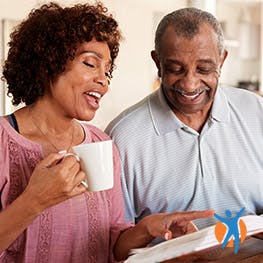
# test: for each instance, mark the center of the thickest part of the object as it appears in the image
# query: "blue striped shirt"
(167, 166)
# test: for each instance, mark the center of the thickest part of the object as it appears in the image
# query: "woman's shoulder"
(6, 136)
(4, 126)
(9, 135)
(95, 133)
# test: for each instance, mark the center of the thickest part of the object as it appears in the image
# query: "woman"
(59, 64)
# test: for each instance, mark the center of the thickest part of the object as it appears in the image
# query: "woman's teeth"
(94, 94)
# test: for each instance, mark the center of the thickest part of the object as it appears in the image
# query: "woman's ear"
(156, 61)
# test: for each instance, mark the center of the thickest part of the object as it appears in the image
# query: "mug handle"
(72, 154)
(84, 183)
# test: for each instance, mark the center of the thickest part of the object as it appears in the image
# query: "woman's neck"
(50, 118)
(51, 128)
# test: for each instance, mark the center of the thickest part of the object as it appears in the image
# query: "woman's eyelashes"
(89, 64)
(94, 66)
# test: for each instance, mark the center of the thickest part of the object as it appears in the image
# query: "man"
(191, 145)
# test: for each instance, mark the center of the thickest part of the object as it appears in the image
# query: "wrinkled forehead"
(205, 38)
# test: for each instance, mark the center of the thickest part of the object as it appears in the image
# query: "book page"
(190, 243)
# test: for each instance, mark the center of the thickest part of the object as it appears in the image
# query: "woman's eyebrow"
(91, 52)
(97, 54)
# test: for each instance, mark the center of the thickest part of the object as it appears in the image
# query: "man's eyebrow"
(173, 61)
(208, 61)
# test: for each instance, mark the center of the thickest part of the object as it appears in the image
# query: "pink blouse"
(81, 229)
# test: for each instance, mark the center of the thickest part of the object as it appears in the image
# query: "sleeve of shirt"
(129, 209)
(4, 169)
(117, 209)
(126, 178)
(4, 175)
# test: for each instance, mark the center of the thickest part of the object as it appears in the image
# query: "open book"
(202, 240)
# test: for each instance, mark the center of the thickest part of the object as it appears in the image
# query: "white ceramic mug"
(96, 160)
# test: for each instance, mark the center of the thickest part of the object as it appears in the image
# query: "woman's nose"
(102, 79)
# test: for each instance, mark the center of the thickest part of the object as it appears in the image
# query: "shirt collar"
(220, 109)
(165, 121)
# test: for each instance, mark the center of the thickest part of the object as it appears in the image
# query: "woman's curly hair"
(41, 45)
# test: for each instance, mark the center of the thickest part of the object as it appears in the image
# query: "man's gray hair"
(186, 23)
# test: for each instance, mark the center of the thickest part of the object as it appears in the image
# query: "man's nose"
(190, 81)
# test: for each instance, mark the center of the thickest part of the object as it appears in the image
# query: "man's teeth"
(94, 94)
(192, 96)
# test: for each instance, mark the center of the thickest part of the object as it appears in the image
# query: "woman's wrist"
(33, 206)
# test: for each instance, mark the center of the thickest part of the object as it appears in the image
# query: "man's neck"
(195, 121)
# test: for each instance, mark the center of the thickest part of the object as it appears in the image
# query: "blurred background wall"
(135, 75)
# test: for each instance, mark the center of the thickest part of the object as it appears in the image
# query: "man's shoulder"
(130, 118)
(243, 99)
(237, 94)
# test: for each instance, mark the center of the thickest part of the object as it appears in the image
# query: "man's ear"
(223, 57)
(156, 61)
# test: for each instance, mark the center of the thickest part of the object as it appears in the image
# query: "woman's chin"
(86, 116)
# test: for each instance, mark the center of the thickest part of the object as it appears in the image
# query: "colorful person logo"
(230, 227)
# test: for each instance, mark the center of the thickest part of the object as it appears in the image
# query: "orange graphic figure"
(230, 227)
